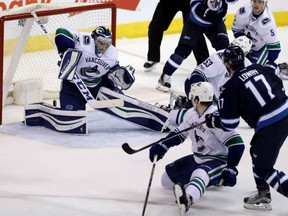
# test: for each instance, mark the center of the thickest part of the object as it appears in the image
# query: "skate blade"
(259, 207)
(179, 193)
(162, 88)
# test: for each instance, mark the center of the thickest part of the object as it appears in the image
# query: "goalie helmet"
(103, 39)
(234, 56)
(203, 90)
(243, 42)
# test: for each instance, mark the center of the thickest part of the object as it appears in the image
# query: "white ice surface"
(44, 173)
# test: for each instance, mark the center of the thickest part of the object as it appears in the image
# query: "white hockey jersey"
(215, 71)
(91, 68)
(207, 143)
(262, 30)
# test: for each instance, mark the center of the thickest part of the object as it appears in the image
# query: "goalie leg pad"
(135, 111)
(42, 114)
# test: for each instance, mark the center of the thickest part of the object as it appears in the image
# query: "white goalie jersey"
(262, 30)
(207, 143)
(91, 68)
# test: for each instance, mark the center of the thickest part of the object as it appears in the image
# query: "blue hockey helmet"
(103, 39)
(234, 56)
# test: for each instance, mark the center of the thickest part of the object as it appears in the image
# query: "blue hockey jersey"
(254, 93)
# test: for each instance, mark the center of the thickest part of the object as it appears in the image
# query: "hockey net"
(27, 53)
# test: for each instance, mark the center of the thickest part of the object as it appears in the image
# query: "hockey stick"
(129, 150)
(95, 104)
(149, 185)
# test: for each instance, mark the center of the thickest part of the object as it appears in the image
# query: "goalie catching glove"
(122, 77)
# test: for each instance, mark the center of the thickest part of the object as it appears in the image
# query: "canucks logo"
(199, 140)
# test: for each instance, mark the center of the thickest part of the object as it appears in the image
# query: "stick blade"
(127, 148)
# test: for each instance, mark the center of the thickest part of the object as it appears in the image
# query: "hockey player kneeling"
(91, 73)
(215, 153)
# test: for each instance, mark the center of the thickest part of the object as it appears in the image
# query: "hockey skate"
(183, 201)
(283, 70)
(259, 200)
(164, 83)
(149, 66)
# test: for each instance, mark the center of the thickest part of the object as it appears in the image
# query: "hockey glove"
(159, 150)
(213, 120)
(228, 176)
(215, 15)
(271, 65)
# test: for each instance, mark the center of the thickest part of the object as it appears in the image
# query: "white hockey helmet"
(243, 42)
(203, 90)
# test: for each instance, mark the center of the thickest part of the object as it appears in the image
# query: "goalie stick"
(129, 150)
(95, 104)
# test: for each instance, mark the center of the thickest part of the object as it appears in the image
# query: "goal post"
(27, 52)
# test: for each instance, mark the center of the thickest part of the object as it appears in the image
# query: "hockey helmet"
(243, 42)
(203, 90)
(103, 39)
(234, 56)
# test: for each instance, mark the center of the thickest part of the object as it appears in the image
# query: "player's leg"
(70, 97)
(191, 179)
(191, 34)
(258, 57)
(218, 36)
(161, 20)
(264, 152)
(42, 114)
(136, 111)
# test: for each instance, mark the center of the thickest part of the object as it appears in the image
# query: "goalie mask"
(103, 39)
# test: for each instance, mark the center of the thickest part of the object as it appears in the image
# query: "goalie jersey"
(91, 68)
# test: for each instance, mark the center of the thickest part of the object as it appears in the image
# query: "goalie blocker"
(43, 114)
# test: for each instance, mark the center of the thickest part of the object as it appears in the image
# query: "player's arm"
(273, 44)
(236, 148)
(64, 40)
(161, 148)
(237, 26)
